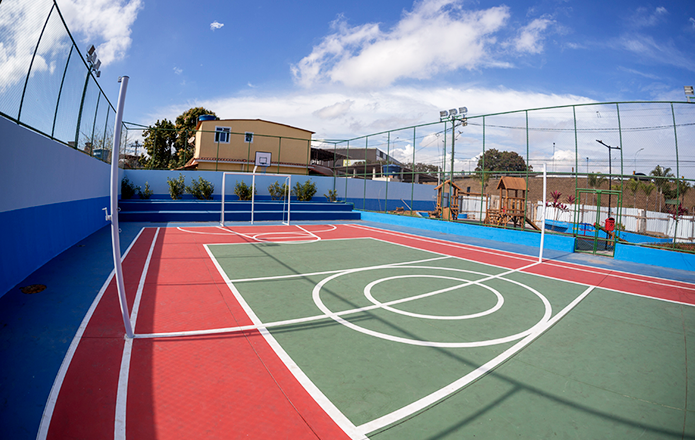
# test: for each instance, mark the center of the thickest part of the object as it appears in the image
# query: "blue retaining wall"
(527, 238)
(655, 257)
(52, 198)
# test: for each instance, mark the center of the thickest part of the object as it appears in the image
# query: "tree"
(159, 141)
(595, 180)
(502, 161)
(185, 130)
(634, 185)
(647, 189)
(663, 176)
(424, 168)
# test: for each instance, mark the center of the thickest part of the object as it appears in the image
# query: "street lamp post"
(635, 172)
(453, 115)
(610, 172)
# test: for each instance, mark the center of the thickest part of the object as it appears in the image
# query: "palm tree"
(634, 185)
(595, 180)
(647, 189)
(662, 178)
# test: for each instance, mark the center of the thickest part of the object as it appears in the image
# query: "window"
(248, 137)
(222, 134)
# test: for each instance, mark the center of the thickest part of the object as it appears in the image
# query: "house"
(355, 156)
(231, 145)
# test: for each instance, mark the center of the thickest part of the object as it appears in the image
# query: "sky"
(346, 69)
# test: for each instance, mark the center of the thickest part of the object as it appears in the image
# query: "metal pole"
(540, 254)
(116, 246)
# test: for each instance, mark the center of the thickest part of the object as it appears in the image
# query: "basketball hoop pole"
(115, 243)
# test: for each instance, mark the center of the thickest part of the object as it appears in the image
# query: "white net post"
(286, 205)
(224, 178)
(540, 253)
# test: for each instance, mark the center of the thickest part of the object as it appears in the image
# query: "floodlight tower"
(689, 92)
(453, 115)
(93, 65)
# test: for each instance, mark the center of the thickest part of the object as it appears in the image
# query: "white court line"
(565, 265)
(333, 412)
(292, 235)
(62, 371)
(297, 320)
(438, 395)
(124, 372)
(447, 243)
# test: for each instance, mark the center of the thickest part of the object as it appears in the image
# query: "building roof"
(508, 182)
(254, 120)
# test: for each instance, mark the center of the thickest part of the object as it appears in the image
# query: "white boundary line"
(338, 417)
(484, 369)
(565, 265)
(124, 372)
(62, 371)
(297, 320)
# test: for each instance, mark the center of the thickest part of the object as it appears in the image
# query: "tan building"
(231, 145)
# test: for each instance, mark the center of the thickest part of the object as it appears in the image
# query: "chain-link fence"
(46, 83)
(643, 150)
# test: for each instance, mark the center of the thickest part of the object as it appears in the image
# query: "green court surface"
(410, 344)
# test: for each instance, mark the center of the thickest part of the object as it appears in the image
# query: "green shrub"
(277, 191)
(332, 195)
(146, 193)
(201, 189)
(127, 188)
(243, 191)
(305, 192)
(176, 187)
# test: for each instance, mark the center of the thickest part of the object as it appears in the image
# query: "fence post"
(31, 64)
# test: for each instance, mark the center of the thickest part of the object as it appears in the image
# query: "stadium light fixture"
(689, 92)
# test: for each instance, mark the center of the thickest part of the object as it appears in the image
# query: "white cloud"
(178, 71)
(215, 25)
(104, 23)
(649, 49)
(692, 22)
(436, 36)
(530, 39)
(334, 111)
(107, 21)
(347, 114)
(644, 17)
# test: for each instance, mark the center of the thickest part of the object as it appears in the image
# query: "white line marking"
(565, 265)
(426, 401)
(62, 371)
(338, 417)
(124, 372)
(122, 391)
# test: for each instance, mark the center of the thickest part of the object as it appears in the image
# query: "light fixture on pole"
(635, 172)
(689, 92)
(610, 172)
(453, 115)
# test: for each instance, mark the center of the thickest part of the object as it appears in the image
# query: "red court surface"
(234, 385)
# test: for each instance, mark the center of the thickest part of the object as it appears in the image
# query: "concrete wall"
(52, 197)
(364, 194)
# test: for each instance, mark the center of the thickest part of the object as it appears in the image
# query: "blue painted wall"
(656, 257)
(52, 197)
(554, 242)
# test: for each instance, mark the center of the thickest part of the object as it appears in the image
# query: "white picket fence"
(633, 219)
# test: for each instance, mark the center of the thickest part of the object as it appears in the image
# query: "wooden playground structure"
(511, 209)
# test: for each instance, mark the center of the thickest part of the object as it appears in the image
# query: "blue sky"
(345, 69)
(352, 68)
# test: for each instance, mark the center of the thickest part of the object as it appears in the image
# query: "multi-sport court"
(337, 331)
